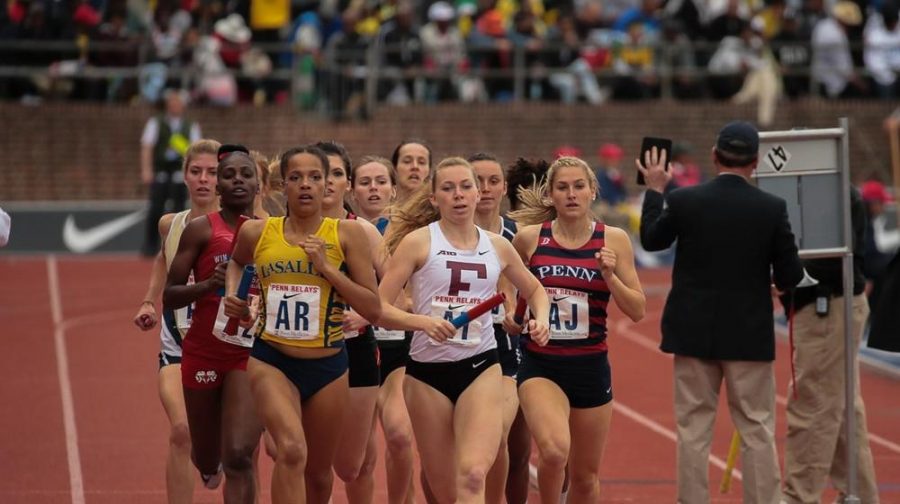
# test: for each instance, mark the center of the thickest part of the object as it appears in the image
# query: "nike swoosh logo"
(478, 364)
(84, 240)
(558, 299)
(286, 296)
(484, 252)
(451, 307)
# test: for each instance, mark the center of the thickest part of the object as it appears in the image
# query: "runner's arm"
(177, 293)
(146, 317)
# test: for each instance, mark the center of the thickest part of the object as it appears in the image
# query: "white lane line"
(76, 481)
(667, 433)
(648, 343)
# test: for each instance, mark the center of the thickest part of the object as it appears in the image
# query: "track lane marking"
(76, 480)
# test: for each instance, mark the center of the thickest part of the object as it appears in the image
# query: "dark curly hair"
(524, 173)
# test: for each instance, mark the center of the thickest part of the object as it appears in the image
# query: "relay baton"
(237, 228)
(478, 310)
(242, 292)
(730, 462)
(519, 315)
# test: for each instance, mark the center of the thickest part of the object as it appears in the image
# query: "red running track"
(82, 422)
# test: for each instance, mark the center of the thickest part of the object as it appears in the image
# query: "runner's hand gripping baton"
(478, 310)
(242, 292)
(519, 315)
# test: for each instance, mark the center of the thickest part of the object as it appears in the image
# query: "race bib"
(447, 308)
(292, 311)
(183, 316)
(382, 334)
(568, 314)
(244, 337)
(498, 313)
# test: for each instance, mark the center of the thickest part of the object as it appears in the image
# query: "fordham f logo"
(456, 268)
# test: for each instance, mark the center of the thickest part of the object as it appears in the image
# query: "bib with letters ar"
(292, 311)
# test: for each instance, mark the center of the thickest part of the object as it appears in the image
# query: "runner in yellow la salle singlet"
(300, 308)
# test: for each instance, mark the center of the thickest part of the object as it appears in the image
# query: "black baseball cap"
(738, 138)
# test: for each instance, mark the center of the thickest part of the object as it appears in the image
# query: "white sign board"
(805, 168)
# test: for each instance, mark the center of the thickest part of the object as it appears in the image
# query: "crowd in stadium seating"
(586, 50)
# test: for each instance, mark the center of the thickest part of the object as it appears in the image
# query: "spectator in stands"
(234, 39)
(610, 181)
(169, 25)
(793, 55)
(685, 170)
(634, 62)
(730, 64)
(647, 15)
(401, 50)
(678, 53)
(808, 16)
(730, 23)
(267, 18)
(688, 14)
(491, 49)
(577, 61)
(444, 52)
(832, 64)
(882, 49)
(215, 84)
(527, 34)
(345, 69)
(165, 139)
(762, 82)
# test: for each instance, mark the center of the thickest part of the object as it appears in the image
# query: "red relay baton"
(478, 310)
(521, 306)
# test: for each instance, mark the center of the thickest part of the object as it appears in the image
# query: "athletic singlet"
(381, 224)
(200, 339)
(508, 231)
(299, 307)
(450, 282)
(179, 319)
(367, 329)
(577, 293)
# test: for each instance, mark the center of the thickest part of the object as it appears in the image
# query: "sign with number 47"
(777, 158)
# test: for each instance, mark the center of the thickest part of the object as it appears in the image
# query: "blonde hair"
(262, 166)
(537, 206)
(392, 172)
(202, 146)
(417, 211)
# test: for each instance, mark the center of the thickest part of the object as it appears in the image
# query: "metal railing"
(360, 70)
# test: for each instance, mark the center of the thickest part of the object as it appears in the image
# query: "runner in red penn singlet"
(578, 294)
(200, 341)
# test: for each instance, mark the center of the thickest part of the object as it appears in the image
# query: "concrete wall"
(71, 151)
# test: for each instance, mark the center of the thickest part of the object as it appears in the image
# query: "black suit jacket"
(732, 239)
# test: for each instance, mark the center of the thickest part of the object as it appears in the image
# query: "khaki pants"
(816, 439)
(751, 402)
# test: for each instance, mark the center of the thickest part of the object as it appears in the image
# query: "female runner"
(309, 267)
(492, 185)
(352, 463)
(453, 376)
(565, 387)
(200, 178)
(224, 429)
